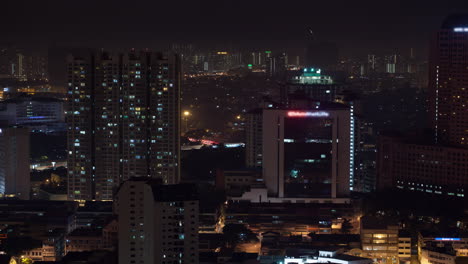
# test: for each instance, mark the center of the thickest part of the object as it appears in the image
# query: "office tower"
(307, 151)
(14, 162)
(448, 82)
(276, 64)
(365, 156)
(19, 66)
(123, 121)
(157, 223)
(390, 64)
(35, 67)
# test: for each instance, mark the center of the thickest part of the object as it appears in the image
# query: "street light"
(186, 116)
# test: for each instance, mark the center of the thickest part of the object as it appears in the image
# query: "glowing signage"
(308, 114)
(447, 239)
(267, 51)
(222, 53)
(460, 29)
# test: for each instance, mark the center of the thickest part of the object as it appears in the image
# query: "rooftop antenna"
(311, 33)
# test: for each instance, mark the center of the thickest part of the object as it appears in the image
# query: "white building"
(307, 151)
(157, 223)
(303, 256)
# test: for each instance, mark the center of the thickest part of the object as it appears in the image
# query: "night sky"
(357, 26)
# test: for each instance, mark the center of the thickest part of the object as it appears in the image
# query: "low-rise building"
(326, 255)
(438, 255)
(379, 238)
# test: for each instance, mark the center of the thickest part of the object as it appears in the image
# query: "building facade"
(157, 223)
(14, 163)
(307, 151)
(123, 121)
(379, 239)
(448, 82)
(32, 110)
(429, 168)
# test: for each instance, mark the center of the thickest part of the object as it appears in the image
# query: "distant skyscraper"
(157, 223)
(14, 162)
(276, 64)
(448, 82)
(123, 121)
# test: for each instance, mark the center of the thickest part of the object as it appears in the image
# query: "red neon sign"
(308, 114)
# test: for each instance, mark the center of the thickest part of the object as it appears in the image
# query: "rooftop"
(372, 222)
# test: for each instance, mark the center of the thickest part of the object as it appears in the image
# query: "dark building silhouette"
(448, 82)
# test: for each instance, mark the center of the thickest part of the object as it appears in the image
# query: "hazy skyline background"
(358, 27)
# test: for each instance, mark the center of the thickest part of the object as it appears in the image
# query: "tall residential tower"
(123, 121)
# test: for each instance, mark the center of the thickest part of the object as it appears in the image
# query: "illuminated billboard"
(447, 239)
(308, 114)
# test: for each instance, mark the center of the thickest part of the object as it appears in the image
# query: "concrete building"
(379, 238)
(237, 182)
(123, 121)
(414, 164)
(14, 163)
(157, 223)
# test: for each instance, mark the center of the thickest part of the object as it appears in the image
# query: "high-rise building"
(157, 223)
(448, 82)
(123, 121)
(14, 162)
(307, 151)
(254, 136)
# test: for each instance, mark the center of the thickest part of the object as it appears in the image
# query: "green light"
(249, 65)
(268, 51)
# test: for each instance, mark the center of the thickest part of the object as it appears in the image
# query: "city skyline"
(234, 132)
